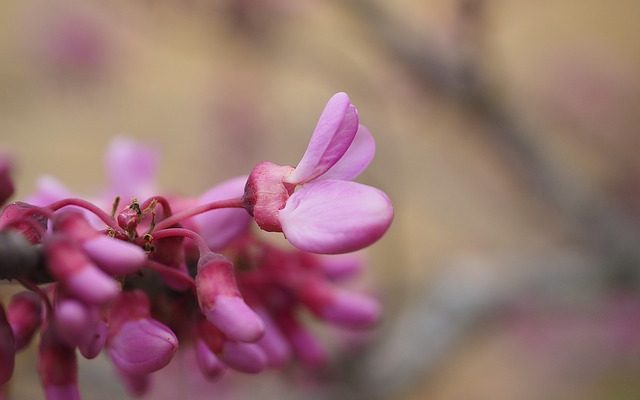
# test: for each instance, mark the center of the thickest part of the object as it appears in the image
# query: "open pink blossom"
(315, 204)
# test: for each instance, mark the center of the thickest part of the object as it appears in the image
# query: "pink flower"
(315, 204)
(78, 275)
(138, 344)
(221, 302)
(58, 368)
(25, 316)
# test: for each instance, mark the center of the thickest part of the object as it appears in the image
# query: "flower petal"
(219, 227)
(332, 216)
(356, 159)
(131, 167)
(48, 190)
(332, 137)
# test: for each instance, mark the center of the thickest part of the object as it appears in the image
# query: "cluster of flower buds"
(135, 280)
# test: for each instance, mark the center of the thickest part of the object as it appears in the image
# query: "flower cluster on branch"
(136, 279)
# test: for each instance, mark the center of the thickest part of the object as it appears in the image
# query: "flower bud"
(25, 316)
(72, 321)
(305, 346)
(339, 306)
(142, 346)
(68, 264)
(114, 256)
(221, 302)
(244, 357)
(58, 368)
(209, 364)
(273, 343)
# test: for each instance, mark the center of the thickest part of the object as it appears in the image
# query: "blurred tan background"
(507, 131)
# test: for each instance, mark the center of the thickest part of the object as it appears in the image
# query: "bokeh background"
(508, 138)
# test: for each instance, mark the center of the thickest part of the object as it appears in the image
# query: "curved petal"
(333, 216)
(356, 159)
(48, 190)
(332, 137)
(131, 168)
(219, 227)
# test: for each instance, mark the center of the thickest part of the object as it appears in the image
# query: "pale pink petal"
(131, 167)
(219, 227)
(332, 137)
(48, 190)
(356, 159)
(332, 216)
(244, 357)
(114, 256)
(351, 310)
(232, 316)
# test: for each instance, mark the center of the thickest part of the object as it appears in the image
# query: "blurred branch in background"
(593, 217)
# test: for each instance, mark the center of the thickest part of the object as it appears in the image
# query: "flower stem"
(174, 273)
(214, 205)
(106, 218)
(181, 232)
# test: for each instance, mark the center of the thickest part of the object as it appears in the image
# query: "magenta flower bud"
(25, 316)
(273, 343)
(7, 349)
(94, 342)
(339, 306)
(114, 256)
(210, 366)
(332, 216)
(58, 368)
(340, 267)
(6, 183)
(72, 321)
(305, 346)
(68, 264)
(220, 227)
(244, 357)
(142, 346)
(266, 193)
(221, 302)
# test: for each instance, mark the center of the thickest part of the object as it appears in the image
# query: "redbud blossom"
(78, 275)
(209, 364)
(58, 368)
(221, 302)
(114, 256)
(316, 205)
(25, 316)
(138, 344)
(142, 346)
